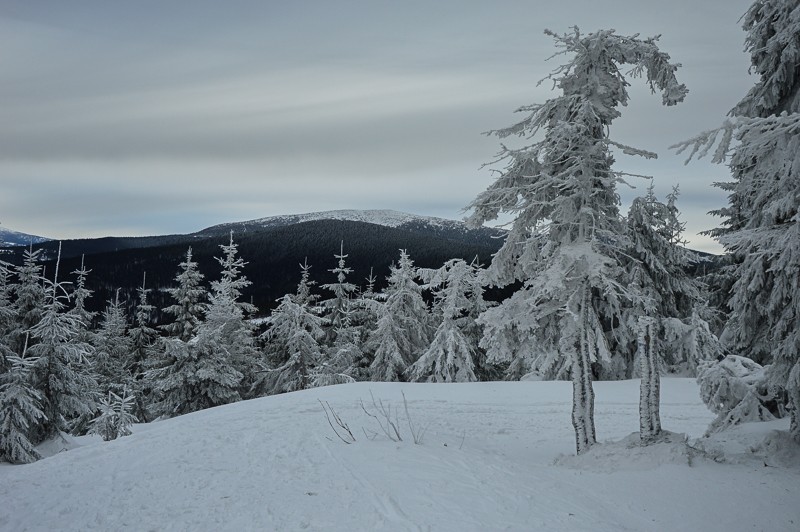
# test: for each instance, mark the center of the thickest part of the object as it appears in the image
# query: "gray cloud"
(153, 117)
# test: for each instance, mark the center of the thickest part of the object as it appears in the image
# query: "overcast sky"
(153, 117)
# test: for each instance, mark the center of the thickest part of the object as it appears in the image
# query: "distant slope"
(273, 254)
(15, 238)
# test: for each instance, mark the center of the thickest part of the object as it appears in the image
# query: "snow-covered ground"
(496, 456)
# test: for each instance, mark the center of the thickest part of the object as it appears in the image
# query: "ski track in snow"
(487, 462)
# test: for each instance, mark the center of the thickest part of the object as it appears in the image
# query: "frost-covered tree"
(403, 329)
(6, 317)
(61, 373)
(145, 344)
(20, 412)
(194, 375)
(304, 295)
(451, 355)
(566, 241)
(80, 295)
(226, 316)
(738, 391)
(662, 320)
(338, 307)
(293, 339)
(761, 223)
(189, 298)
(113, 349)
(29, 299)
(115, 417)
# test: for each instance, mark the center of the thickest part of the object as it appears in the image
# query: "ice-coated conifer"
(566, 240)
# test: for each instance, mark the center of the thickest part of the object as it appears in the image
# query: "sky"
(152, 117)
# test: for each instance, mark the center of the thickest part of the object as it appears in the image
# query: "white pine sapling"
(566, 242)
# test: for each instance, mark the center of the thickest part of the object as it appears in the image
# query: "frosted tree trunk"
(582, 391)
(650, 388)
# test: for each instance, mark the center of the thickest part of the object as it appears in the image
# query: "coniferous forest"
(97, 336)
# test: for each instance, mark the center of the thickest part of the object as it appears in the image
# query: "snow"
(384, 217)
(496, 456)
(9, 238)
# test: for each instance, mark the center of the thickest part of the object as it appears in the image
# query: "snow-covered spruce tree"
(20, 412)
(226, 316)
(403, 330)
(338, 307)
(566, 242)
(145, 343)
(738, 391)
(29, 297)
(194, 375)
(662, 320)
(6, 317)
(189, 298)
(113, 349)
(761, 223)
(364, 319)
(451, 355)
(62, 373)
(80, 295)
(293, 338)
(115, 417)
(304, 295)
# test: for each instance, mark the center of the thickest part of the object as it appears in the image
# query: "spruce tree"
(29, 299)
(451, 355)
(145, 344)
(226, 316)
(62, 373)
(566, 241)
(403, 329)
(113, 349)
(761, 223)
(20, 412)
(338, 307)
(189, 299)
(293, 337)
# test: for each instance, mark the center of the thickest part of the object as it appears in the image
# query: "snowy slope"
(487, 462)
(386, 218)
(15, 238)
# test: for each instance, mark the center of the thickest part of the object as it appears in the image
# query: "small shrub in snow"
(737, 390)
(115, 417)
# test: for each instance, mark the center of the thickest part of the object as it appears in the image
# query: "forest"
(581, 290)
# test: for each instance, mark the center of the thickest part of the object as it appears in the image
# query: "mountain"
(386, 218)
(10, 238)
(273, 248)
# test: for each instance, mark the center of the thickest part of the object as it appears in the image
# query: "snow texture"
(487, 463)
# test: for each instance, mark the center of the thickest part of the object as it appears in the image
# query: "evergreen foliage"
(565, 243)
(403, 329)
(761, 223)
(20, 412)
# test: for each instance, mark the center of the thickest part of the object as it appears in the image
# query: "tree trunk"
(650, 387)
(582, 392)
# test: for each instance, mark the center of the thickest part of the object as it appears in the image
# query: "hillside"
(487, 462)
(273, 248)
(10, 238)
